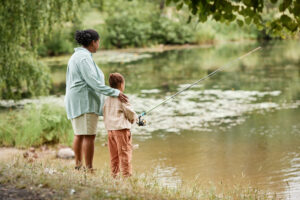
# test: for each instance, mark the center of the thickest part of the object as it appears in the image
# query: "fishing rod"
(142, 122)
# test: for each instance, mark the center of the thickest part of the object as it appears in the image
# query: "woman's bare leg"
(77, 146)
(88, 150)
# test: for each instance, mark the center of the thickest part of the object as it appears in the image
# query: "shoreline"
(54, 60)
(47, 177)
(163, 47)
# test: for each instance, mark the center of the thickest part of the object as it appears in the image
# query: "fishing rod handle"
(142, 114)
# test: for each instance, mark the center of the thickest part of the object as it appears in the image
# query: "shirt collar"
(82, 49)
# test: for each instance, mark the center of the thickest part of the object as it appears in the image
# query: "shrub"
(35, 126)
(28, 78)
(138, 23)
(56, 44)
(167, 31)
(129, 24)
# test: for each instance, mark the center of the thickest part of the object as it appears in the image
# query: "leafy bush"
(56, 44)
(205, 34)
(104, 41)
(29, 77)
(34, 126)
(129, 24)
(23, 27)
(138, 23)
(60, 41)
(167, 31)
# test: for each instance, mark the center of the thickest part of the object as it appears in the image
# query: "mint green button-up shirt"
(85, 85)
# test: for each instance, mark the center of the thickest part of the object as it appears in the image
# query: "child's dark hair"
(115, 80)
(85, 37)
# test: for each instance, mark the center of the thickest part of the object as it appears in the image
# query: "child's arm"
(129, 112)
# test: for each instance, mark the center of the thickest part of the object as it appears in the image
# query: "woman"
(85, 90)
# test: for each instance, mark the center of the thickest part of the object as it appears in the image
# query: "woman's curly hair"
(85, 37)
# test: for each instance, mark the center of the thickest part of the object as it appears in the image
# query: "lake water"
(240, 127)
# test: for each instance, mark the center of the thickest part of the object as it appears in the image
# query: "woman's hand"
(123, 98)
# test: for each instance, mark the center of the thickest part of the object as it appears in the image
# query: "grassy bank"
(45, 174)
(50, 174)
(35, 125)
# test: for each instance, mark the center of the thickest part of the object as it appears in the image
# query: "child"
(118, 118)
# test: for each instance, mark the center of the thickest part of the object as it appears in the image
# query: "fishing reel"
(141, 121)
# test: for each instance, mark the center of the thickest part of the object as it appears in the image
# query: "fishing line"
(142, 122)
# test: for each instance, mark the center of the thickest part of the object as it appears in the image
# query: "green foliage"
(24, 77)
(216, 31)
(140, 23)
(129, 26)
(35, 126)
(167, 31)
(23, 26)
(60, 41)
(105, 42)
(247, 11)
(56, 44)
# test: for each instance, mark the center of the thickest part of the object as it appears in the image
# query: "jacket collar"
(82, 49)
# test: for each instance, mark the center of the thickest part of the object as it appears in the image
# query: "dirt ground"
(9, 192)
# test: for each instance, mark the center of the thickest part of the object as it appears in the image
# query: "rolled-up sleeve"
(129, 112)
(87, 70)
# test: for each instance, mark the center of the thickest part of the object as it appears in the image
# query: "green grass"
(36, 175)
(35, 126)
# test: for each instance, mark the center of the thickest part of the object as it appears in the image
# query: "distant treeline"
(140, 23)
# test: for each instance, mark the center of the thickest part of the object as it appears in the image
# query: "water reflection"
(263, 152)
(274, 67)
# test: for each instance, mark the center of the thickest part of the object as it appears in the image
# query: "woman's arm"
(87, 70)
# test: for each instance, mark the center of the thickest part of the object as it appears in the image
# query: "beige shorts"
(85, 124)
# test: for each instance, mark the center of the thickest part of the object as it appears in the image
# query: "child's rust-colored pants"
(120, 148)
